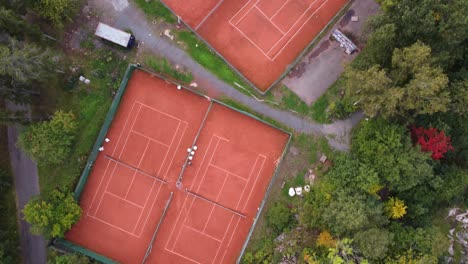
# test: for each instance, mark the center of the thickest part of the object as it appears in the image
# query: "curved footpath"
(133, 18)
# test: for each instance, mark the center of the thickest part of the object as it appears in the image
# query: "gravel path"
(131, 17)
(33, 248)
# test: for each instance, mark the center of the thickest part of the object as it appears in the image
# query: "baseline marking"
(113, 153)
(167, 171)
(123, 199)
(152, 186)
(274, 24)
(149, 138)
(245, 205)
(200, 232)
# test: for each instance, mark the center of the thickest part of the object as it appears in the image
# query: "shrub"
(50, 142)
(279, 217)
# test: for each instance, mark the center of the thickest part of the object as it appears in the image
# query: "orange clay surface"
(211, 212)
(260, 38)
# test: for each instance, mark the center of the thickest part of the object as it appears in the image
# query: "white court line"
(285, 34)
(242, 8)
(134, 173)
(147, 197)
(123, 199)
(180, 255)
(110, 179)
(230, 240)
(167, 171)
(270, 20)
(300, 28)
(149, 138)
(209, 14)
(216, 200)
(233, 174)
(238, 202)
(183, 206)
(245, 205)
(224, 237)
(115, 149)
(113, 226)
(245, 187)
(198, 189)
(164, 113)
(251, 41)
(279, 9)
(200, 232)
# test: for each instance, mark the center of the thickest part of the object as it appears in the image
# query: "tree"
(49, 142)
(380, 45)
(279, 217)
(69, 258)
(387, 149)
(373, 243)
(13, 25)
(431, 140)
(349, 174)
(57, 11)
(412, 86)
(410, 257)
(372, 90)
(20, 65)
(345, 253)
(53, 215)
(347, 214)
(325, 239)
(395, 208)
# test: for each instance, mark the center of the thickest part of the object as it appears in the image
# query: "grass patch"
(154, 9)
(247, 109)
(303, 152)
(90, 104)
(207, 58)
(162, 66)
(9, 235)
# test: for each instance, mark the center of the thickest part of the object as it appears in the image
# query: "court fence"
(63, 243)
(68, 245)
(289, 67)
(102, 134)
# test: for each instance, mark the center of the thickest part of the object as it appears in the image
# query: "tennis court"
(257, 34)
(146, 201)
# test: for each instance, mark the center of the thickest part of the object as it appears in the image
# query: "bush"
(52, 216)
(50, 142)
(279, 217)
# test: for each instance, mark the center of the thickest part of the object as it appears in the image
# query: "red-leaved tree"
(431, 140)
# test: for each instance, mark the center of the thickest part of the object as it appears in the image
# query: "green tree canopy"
(279, 217)
(413, 85)
(57, 11)
(374, 243)
(20, 65)
(347, 214)
(351, 175)
(70, 258)
(49, 142)
(387, 149)
(53, 215)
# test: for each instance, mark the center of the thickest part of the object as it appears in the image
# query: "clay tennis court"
(144, 202)
(257, 34)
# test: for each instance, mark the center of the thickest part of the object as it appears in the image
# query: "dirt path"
(33, 248)
(131, 17)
